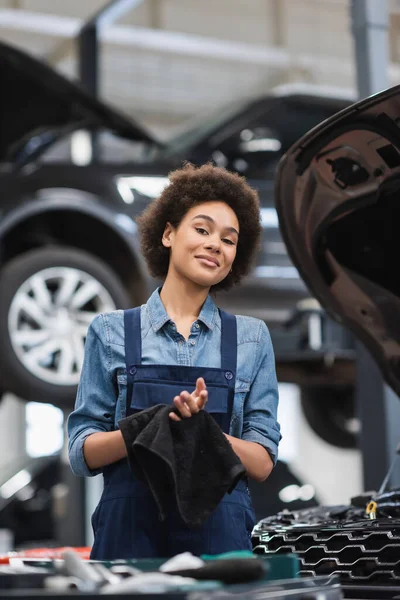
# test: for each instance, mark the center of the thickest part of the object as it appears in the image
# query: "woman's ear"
(167, 235)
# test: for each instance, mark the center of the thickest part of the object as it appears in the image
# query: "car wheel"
(48, 298)
(330, 411)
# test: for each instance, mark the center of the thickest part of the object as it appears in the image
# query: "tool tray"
(280, 581)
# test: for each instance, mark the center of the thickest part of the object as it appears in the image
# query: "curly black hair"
(188, 187)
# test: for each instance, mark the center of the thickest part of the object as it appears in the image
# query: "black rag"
(190, 463)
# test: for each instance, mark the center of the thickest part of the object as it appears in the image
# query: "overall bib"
(126, 523)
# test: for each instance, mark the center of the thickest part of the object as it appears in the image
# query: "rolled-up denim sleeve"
(260, 409)
(96, 397)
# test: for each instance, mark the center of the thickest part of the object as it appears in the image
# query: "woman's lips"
(207, 262)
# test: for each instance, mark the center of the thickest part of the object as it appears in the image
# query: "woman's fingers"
(202, 399)
(200, 386)
(174, 417)
(190, 404)
(201, 393)
(190, 401)
(180, 404)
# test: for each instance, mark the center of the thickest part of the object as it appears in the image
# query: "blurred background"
(236, 82)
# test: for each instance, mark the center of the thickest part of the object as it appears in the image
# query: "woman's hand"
(190, 404)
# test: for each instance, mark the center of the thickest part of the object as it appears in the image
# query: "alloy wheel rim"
(48, 321)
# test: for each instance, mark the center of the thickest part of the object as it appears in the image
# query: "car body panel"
(57, 106)
(336, 196)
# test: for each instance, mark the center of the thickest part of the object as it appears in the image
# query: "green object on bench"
(227, 555)
(283, 566)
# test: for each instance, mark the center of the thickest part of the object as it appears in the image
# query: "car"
(74, 175)
(337, 195)
(27, 500)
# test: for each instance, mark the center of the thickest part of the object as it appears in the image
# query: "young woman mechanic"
(200, 236)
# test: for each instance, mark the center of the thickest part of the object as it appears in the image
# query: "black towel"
(190, 462)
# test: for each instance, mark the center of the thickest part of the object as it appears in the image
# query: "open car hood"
(37, 104)
(338, 201)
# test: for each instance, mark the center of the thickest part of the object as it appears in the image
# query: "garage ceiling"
(168, 61)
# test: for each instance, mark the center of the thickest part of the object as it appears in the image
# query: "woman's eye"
(201, 230)
(229, 242)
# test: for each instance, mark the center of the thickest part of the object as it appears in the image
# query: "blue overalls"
(126, 522)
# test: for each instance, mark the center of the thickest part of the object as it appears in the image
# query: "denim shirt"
(101, 399)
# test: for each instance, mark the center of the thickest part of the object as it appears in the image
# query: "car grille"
(364, 552)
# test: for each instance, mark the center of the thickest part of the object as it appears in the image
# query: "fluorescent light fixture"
(261, 145)
(246, 135)
(146, 186)
(307, 492)
(276, 272)
(290, 493)
(44, 429)
(269, 217)
(15, 484)
(125, 191)
(81, 148)
(315, 331)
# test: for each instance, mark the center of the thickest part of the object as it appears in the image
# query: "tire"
(330, 412)
(48, 298)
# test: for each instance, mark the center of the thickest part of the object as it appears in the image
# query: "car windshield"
(112, 148)
(202, 125)
(264, 118)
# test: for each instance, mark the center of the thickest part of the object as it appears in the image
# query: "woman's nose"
(214, 245)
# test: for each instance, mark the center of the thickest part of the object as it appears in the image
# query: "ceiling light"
(261, 145)
(125, 191)
(15, 484)
(146, 186)
(269, 217)
(81, 148)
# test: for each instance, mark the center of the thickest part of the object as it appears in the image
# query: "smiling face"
(203, 246)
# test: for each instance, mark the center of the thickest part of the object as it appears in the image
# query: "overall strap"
(133, 344)
(228, 341)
